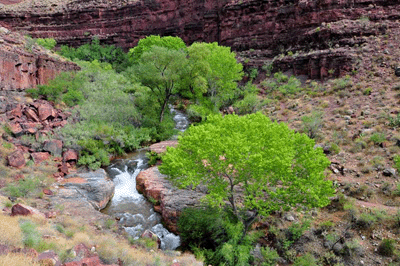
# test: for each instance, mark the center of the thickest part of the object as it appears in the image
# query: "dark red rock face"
(243, 25)
(23, 66)
(262, 29)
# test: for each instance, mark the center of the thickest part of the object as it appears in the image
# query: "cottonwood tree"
(250, 163)
(161, 70)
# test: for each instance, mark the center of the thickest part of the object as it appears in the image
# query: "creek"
(131, 208)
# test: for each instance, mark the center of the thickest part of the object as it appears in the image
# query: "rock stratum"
(261, 29)
(24, 65)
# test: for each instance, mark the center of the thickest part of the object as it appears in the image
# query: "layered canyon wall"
(269, 27)
(22, 65)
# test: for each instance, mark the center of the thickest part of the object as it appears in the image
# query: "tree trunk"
(164, 105)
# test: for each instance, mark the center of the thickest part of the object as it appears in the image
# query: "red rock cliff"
(243, 25)
(23, 65)
(269, 27)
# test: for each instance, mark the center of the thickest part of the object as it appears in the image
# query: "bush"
(387, 247)
(305, 260)
(102, 53)
(394, 122)
(269, 257)
(23, 187)
(312, 124)
(377, 138)
(48, 43)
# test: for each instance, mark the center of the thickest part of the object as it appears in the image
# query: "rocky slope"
(23, 64)
(263, 28)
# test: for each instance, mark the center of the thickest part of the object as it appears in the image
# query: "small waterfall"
(132, 209)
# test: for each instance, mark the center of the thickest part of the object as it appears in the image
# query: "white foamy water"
(125, 184)
(135, 213)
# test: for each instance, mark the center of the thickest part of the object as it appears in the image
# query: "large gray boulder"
(84, 194)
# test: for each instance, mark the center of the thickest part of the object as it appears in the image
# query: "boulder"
(85, 257)
(15, 129)
(24, 210)
(46, 111)
(31, 128)
(161, 147)
(54, 147)
(151, 183)
(39, 157)
(31, 115)
(70, 156)
(48, 258)
(151, 235)
(16, 159)
(95, 187)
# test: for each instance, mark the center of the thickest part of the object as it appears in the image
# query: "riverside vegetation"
(117, 109)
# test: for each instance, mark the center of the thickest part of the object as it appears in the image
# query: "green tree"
(144, 45)
(214, 72)
(250, 163)
(161, 70)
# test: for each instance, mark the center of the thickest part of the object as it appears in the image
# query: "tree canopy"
(160, 69)
(145, 44)
(250, 162)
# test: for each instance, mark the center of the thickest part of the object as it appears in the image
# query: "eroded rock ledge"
(24, 65)
(170, 200)
(84, 194)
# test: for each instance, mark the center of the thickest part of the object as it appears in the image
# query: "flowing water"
(132, 209)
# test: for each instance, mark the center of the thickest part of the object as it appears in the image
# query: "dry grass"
(17, 259)
(9, 231)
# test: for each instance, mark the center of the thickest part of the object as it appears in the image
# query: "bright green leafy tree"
(161, 70)
(144, 45)
(215, 72)
(255, 165)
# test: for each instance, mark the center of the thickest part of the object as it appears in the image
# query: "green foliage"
(48, 43)
(396, 160)
(161, 70)
(282, 84)
(23, 187)
(65, 87)
(275, 167)
(202, 227)
(212, 74)
(269, 257)
(377, 138)
(153, 157)
(342, 83)
(367, 91)
(394, 122)
(93, 154)
(249, 104)
(32, 237)
(387, 247)
(312, 124)
(146, 44)
(305, 260)
(115, 56)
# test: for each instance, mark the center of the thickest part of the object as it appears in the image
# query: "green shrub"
(305, 260)
(249, 104)
(312, 124)
(396, 160)
(394, 122)
(48, 43)
(102, 53)
(153, 157)
(342, 83)
(377, 138)
(23, 187)
(31, 235)
(387, 247)
(269, 257)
